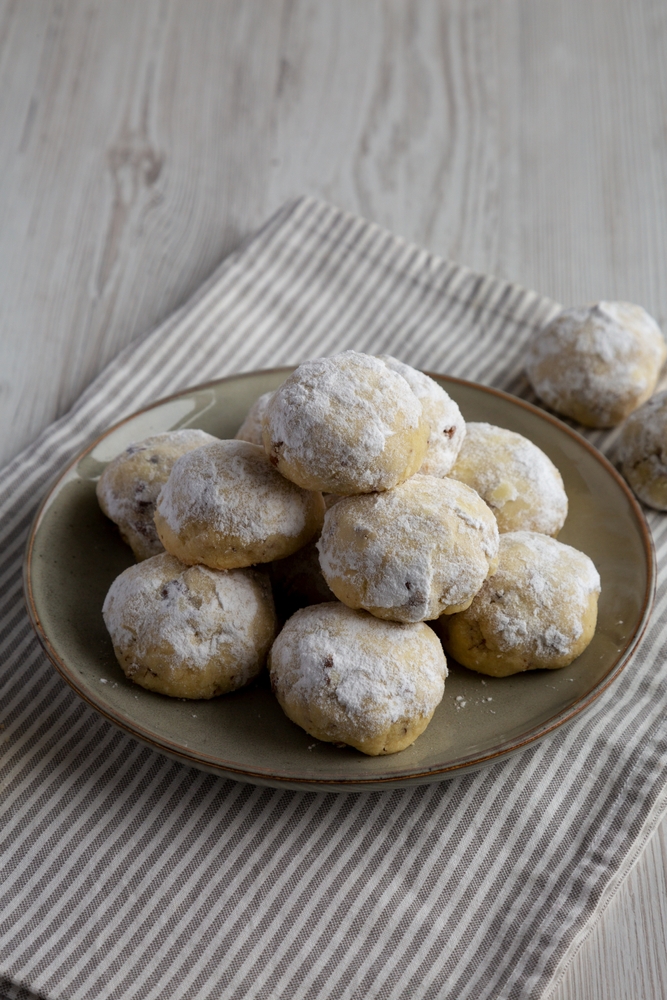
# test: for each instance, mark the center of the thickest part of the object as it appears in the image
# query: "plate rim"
(262, 775)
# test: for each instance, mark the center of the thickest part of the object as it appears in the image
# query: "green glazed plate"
(74, 553)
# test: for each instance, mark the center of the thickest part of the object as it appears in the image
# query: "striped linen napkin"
(127, 875)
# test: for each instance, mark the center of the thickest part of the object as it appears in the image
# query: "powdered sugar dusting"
(374, 673)
(514, 477)
(251, 428)
(334, 417)
(447, 426)
(231, 487)
(645, 431)
(539, 594)
(642, 451)
(129, 487)
(597, 363)
(191, 614)
(409, 553)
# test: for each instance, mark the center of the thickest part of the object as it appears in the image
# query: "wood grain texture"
(142, 141)
(625, 957)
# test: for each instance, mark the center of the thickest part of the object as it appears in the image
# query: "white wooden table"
(141, 139)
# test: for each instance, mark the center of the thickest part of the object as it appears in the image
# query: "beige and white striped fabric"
(126, 875)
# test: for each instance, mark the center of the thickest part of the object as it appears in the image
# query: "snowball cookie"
(411, 554)
(224, 505)
(346, 677)
(521, 485)
(597, 363)
(190, 632)
(538, 610)
(346, 424)
(251, 428)
(642, 452)
(128, 489)
(447, 426)
(297, 581)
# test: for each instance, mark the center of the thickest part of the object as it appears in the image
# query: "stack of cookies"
(358, 497)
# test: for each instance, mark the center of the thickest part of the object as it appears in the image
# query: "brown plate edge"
(259, 775)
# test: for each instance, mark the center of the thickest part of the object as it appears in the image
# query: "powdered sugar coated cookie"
(642, 451)
(189, 632)
(226, 506)
(346, 677)
(251, 428)
(128, 488)
(597, 363)
(412, 553)
(447, 427)
(521, 484)
(538, 610)
(346, 425)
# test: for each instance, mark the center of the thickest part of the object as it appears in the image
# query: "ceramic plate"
(74, 553)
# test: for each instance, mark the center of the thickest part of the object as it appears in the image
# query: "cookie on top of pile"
(357, 497)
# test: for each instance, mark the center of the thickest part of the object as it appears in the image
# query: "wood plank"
(625, 957)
